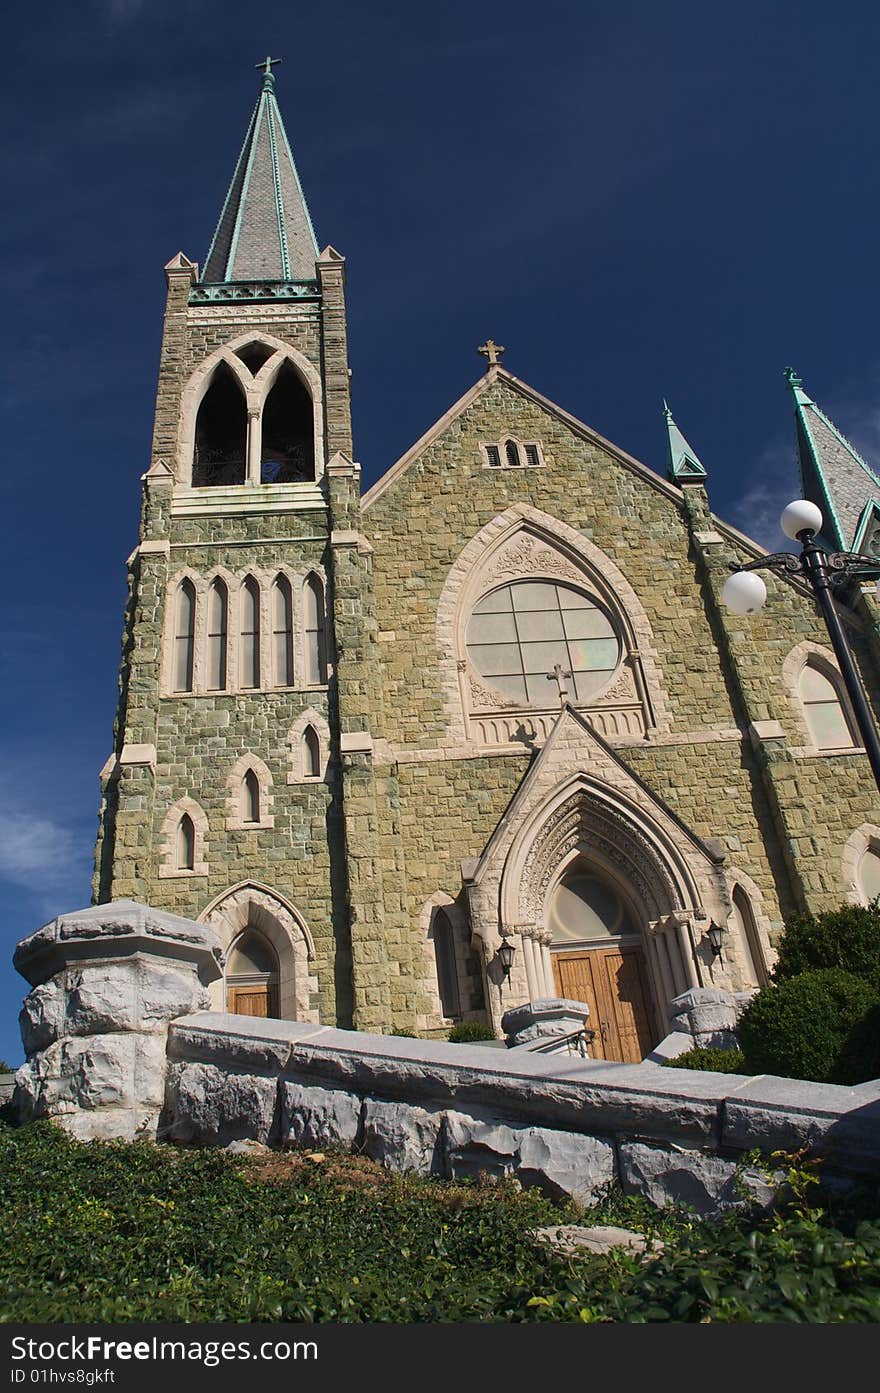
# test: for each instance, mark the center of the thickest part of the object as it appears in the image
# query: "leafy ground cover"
(114, 1232)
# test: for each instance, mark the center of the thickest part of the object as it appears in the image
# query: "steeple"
(833, 474)
(264, 232)
(682, 463)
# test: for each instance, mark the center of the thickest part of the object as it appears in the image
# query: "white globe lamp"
(799, 517)
(744, 592)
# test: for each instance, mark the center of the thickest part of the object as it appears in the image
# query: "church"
(484, 733)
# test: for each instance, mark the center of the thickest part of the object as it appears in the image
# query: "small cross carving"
(558, 675)
(492, 351)
(267, 64)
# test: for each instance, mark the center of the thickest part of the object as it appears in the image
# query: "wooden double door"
(614, 984)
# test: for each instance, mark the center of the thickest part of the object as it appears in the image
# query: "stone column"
(106, 983)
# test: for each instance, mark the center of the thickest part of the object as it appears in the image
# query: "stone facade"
(434, 805)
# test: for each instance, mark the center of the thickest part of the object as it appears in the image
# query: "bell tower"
(221, 799)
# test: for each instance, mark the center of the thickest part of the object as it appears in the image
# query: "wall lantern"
(505, 953)
(715, 935)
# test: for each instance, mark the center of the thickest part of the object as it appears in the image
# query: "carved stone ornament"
(481, 696)
(528, 556)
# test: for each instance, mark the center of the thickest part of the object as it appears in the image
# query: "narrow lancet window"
(444, 957)
(184, 636)
(249, 656)
(221, 433)
(218, 610)
(282, 632)
(316, 651)
(250, 797)
(311, 753)
(288, 433)
(511, 450)
(186, 844)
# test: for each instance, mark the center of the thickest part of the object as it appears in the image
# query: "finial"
(492, 351)
(267, 65)
(793, 379)
(666, 412)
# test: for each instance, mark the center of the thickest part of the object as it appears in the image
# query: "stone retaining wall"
(568, 1124)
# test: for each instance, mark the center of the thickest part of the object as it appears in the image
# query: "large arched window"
(316, 648)
(221, 433)
(249, 646)
(288, 443)
(218, 611)
(587, 908)
(519, 634)
(252, 976)
(823, 709)
(184, 636)
(282, 632)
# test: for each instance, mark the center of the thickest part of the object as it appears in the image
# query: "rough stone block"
(213, 1106)
(563, 1164)
(41, 1019)
(102, 997)
(403, 1136)
(312, 1116)
(706, 1183)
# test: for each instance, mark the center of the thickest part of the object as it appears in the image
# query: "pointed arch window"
(249, 649)
(311, 753)
(221, 433)
(186, 844)
(823, 709)
(316, 655)
(254, 355)
(218, 625)
(746, 931)
(511, 451)
(184, 636)
(445, 961)
(288, 433)
(282, 632)
(250, 798)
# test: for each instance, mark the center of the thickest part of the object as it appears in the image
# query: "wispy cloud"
(41, 855)
(769, 486)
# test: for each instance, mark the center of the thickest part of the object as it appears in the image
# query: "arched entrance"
(252, 976)
(597, 956)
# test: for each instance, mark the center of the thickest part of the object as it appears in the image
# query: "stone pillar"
(106, 983)
(543, 1020)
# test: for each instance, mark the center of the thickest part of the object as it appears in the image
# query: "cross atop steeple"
(267, 64)
(492, 351)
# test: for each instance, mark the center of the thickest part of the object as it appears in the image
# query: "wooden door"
(258, 1000)
(613, 983)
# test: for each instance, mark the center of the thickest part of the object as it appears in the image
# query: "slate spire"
(682, 463)
(264, 232)
(833, 474)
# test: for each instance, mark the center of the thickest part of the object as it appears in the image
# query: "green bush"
(114, 1232)
(847, 938)
(805, 1027)
(714, 1060)
(467, 1031)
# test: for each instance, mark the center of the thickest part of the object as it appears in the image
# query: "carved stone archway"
(251, 905)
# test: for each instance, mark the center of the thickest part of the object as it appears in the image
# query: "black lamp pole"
(823, 570)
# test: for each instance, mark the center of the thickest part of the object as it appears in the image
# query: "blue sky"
(638, 199)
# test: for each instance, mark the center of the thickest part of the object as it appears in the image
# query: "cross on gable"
(558, 675)
(491, 351)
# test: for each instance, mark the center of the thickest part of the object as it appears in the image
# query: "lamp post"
(745, 592)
